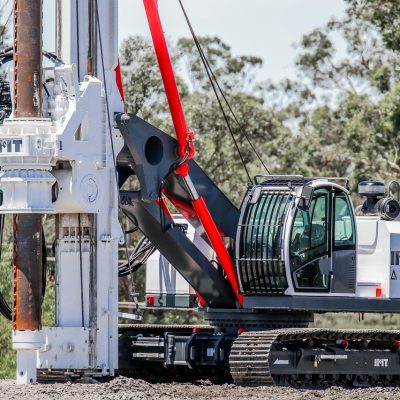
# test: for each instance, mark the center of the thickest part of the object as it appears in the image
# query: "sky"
(264, 28)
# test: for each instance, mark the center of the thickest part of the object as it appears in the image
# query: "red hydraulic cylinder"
(217, 244)
(185, 143)
(183, 133)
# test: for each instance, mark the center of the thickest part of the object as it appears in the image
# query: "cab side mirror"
(305, 198)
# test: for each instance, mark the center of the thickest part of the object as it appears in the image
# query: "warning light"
(342, 342)
(150, 300)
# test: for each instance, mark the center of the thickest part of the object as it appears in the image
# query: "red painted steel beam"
(185, 142)
(218, 245)
(184, 135)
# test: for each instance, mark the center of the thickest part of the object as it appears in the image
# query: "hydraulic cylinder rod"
(27, 104)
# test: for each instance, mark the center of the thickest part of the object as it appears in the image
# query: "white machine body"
(165, 286)
(378, 251)
(64, 164)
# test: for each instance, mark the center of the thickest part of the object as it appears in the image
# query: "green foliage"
(340, 117)
(384, 14)
(345, 106)
(357, 321)
(7, 365)
(233, 73)
(4, 26)
(215, 150)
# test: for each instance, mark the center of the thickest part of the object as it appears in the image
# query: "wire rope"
(215, 85)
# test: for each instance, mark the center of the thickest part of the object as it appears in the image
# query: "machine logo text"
(10, 145)
(381, 362)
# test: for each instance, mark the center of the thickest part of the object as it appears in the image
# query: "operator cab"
(296, 235)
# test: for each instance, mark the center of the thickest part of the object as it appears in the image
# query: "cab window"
(309, 244)
(344, 223)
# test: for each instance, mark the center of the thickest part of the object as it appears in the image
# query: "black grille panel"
(260, 267)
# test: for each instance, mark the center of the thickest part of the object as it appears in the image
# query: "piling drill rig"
(258, 273)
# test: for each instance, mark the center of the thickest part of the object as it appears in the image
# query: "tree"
(3, 27)
(215, 149)
(385, 15)
(345, 105)
(340, 117)
(234, 73)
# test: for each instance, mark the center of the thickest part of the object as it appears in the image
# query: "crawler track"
(316, 357)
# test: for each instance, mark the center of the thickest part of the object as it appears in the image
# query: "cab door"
(311, 244)
(323, 244)
(344, 266)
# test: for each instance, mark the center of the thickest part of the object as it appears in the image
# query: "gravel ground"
(135, 389)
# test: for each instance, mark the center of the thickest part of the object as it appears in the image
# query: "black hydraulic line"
(175, 246)
(133, 230)
(139, 256)
(5, 309)
(6, 55)
(212, 78)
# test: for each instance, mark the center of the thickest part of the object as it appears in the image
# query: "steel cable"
(215, 84)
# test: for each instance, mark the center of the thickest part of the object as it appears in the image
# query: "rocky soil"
(135, 389)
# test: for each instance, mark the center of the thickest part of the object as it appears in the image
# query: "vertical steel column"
(27, 271)
(27, 104)
(27, 58)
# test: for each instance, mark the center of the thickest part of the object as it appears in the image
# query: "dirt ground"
(127, 389)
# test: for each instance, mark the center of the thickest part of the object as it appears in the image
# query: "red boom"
(185, 143)
(183, 134)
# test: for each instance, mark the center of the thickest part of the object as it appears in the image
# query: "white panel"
(64, 348)
(68, 258)
(395, 265)
(377, 266)
(162, 277)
